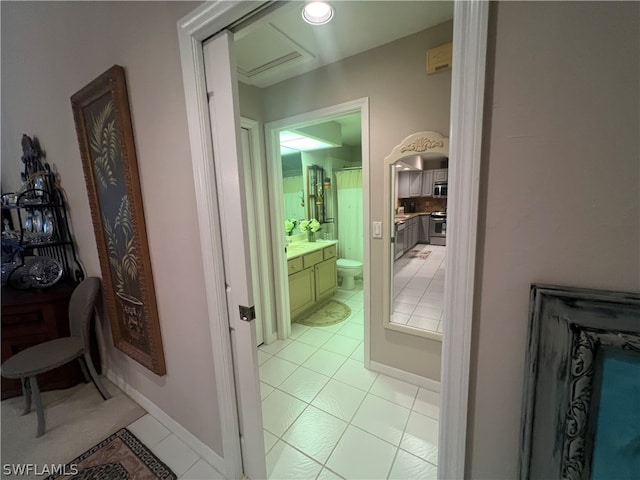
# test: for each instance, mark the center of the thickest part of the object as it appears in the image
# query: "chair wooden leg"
(35, 390)
(26, 390)
(94, 377)
(85, 374)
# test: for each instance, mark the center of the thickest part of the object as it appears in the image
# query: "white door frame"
(276, 195)
(469, 54)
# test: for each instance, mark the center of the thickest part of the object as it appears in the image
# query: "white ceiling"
(281, 45)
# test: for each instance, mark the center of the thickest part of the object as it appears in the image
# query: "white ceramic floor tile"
(331, 328)
(149, 430)
(269, 441)
(428, 403)
(358, 353)
(416, 292)
(263, 356)
(327, 474)
(274, 347)
(176, 454)
(297, 329)
(425, 311)
(402, 318)
(421, 437)
(356, 317)
(381, 418)
(265, 390)
(341, 345)
(352, 330)
(406, 298)
(361, 455)
(424, 323)
(403, 308)
(304, 384)
(355, 305)
(407, 466)
(202, 471)
(315, 337)
(315, 433)
(394, 390)
(353, 373)
(275, 370)
(279, 411)
(285, 462)
(339, 399)
(324, 362)
(296, 352)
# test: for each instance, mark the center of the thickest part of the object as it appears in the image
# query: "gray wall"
(50, 51)
(560, 190)
(403, 99)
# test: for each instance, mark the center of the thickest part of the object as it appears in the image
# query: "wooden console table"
(30, 317)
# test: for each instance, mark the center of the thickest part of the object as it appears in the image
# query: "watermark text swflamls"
(23, 469)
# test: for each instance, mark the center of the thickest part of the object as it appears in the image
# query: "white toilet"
(347, 270)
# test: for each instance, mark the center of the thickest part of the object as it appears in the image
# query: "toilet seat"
(346, 263)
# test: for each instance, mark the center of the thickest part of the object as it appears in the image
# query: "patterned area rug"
(419, 254)
(330, 313)
(120, 457)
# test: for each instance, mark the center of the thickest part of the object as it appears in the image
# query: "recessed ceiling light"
(317, 13)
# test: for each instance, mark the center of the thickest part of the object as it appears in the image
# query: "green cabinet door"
(301, 291)
(326, 279)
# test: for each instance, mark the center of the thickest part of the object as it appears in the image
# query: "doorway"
(469, 44)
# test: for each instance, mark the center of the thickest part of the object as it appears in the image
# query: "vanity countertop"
(296, 249)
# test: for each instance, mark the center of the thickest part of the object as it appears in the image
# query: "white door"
(221, 84)
(247, 161)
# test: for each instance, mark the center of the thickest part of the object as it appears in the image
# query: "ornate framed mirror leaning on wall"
(415, 193)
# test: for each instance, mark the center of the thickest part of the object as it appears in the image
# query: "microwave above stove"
(440, 189)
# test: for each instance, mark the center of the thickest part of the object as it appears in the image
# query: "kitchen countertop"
(297, 249)
(409, 216)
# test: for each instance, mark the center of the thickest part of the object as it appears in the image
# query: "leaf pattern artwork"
(121, 248)
(104, 144)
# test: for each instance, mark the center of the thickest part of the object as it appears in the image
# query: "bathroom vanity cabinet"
(312, 277)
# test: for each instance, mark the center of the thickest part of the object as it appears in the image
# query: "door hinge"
(247, 313)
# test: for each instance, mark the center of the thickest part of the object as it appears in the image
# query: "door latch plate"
(247, 313)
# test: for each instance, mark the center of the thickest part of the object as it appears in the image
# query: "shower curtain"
(350, 208)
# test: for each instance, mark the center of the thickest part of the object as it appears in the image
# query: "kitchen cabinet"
(440, 175)
(424, 229)
(427, 183)
(404, 180)
(313, 278)
(415, 184)
(411, 233)
(409, 184)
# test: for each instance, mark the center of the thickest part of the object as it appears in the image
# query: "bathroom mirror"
(415, 249)
(293, 189)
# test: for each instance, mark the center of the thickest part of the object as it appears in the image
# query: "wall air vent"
(439, 58)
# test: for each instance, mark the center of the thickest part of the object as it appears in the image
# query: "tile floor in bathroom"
(418, 288)
(327, 417)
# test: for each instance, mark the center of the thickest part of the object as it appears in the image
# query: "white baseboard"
(411, 378)
(211, 457)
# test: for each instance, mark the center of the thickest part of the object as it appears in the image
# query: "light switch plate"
(377, 229)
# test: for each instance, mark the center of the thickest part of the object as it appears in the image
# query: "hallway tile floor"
(418, 287)
(327, 417)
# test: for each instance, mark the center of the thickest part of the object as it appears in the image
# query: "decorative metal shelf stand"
(40, 251)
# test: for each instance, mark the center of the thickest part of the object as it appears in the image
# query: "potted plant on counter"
(311, 227)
